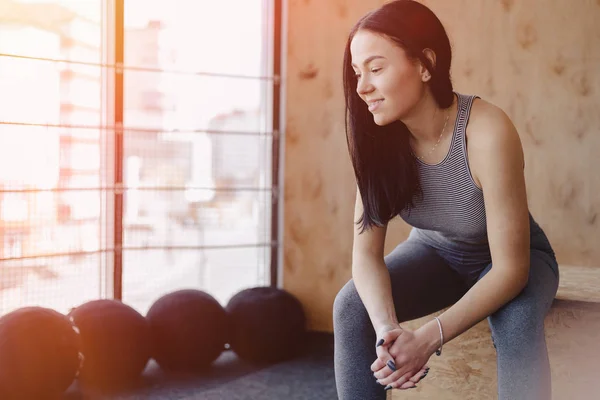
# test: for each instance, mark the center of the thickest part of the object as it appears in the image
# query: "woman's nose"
(363, 87)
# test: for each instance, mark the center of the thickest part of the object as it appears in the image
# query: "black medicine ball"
(268, 325)
(115, 343)
(39, 354)
(189, 330)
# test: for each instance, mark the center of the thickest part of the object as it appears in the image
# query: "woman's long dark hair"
(386, 172)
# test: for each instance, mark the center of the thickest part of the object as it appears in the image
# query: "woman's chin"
(380, 120)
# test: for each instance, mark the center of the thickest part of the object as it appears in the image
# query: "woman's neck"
(427, 120)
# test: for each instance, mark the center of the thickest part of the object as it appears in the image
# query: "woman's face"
(388, 81)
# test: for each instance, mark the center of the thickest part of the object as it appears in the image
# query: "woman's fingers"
(377, 365)
(407, 385)
(383, 358)
(420, 375)
(405, 381)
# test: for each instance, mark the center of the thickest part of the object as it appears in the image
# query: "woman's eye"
(375, 70)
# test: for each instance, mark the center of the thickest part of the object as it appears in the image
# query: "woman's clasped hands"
(402, 356)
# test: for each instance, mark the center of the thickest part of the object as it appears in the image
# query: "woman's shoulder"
(492, 139)
(488, 123)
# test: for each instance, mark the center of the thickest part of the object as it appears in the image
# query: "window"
(181, 195)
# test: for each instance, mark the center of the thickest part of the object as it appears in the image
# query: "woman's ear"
(425, 73)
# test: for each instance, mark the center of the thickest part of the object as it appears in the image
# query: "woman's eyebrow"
(368, 60)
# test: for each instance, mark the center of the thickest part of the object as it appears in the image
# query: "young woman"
(451, 166)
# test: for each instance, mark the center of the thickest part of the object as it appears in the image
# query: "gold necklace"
(438, 141)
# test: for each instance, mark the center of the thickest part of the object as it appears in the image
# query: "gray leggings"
(429, 273)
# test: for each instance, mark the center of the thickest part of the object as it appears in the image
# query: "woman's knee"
(348, 308)
(522, 319)
(516, 336)
(517, 326)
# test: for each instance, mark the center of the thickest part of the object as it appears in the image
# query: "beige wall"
(537, 59)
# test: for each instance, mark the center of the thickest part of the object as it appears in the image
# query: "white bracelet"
(439, 351)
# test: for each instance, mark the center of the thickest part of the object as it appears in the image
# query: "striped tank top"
(452, 204)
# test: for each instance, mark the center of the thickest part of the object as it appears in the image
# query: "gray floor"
(307, 377)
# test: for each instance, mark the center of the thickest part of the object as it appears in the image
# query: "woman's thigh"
(422, 282)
